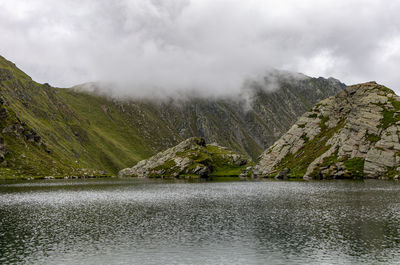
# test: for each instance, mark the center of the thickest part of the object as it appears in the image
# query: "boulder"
(283, 174)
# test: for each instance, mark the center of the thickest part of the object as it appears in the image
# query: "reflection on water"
(159, 222)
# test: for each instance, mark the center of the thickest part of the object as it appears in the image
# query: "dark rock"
(3, 152)
(3, 113)
(202, 170)
(200, 141)
(241, 162)
(283, 174)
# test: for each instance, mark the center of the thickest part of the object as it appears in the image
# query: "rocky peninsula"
(192, 158)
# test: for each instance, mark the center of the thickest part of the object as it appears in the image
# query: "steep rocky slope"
(85, 133)
(352, 135)
(190, 158)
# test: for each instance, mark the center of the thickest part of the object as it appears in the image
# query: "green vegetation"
(323, 122)
(80, 133)
(372, 137)
(298, 162)
(390, 117)
(223, 178)
(305, 138)
(167, 169)
(218, 158)
(355, 166)
(222, 166)
(390, 173)
(327, 161)
(313, 115)
(386, 90)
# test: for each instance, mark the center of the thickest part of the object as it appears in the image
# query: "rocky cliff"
(352, 135)
(190, 158)
(85, 132)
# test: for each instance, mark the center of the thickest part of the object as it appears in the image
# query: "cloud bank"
(207, 46)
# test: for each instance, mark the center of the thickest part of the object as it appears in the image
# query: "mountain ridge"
(90, 134)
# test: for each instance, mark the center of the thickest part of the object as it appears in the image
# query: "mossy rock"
(191, 158)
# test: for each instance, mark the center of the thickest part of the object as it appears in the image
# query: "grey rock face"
(354, 134)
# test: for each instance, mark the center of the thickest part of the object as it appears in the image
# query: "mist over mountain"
(270, 81)
(210, 47)
(56, 131)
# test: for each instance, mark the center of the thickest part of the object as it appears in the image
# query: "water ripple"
(147, 222)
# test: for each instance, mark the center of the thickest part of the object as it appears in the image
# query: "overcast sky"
(207, 45)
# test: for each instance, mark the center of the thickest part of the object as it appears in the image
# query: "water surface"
(113, 221)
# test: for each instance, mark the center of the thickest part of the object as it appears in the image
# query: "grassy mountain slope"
(84, 133)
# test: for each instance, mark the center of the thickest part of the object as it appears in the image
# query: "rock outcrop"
(352, 135)
(191, 158)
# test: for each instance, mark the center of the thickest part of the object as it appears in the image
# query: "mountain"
(50, 131)
(191, 158)
(352, 135)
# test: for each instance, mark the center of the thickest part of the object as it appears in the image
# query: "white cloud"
(209, 46)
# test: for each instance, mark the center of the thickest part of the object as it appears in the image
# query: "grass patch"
(371, 137)
(218, 158)
(323, 122)
(226, 171)
(223, 178)
(390, 173)
(355, 166)
(327, 161)
(390, 117)
(299, 161)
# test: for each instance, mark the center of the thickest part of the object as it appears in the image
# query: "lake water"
(114, 221)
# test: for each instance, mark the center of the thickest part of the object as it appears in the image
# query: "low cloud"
(208, 47)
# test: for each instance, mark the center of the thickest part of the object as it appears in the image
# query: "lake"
(139, 221)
